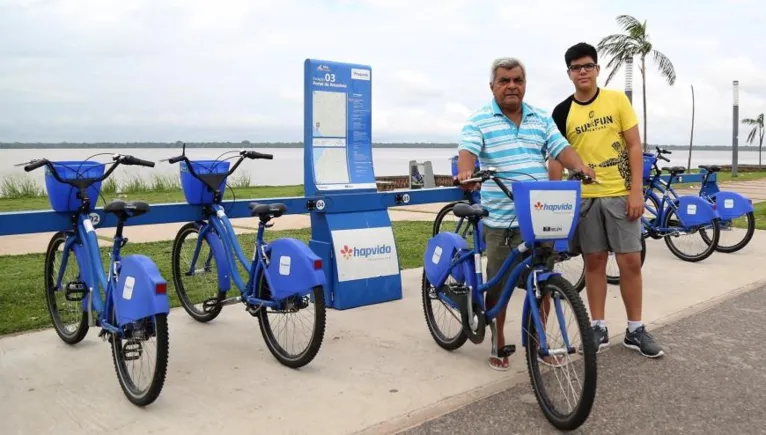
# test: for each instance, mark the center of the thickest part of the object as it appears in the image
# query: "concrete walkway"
(378, 370)
(37, 243)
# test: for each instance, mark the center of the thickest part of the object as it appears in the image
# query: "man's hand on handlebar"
(465, 175)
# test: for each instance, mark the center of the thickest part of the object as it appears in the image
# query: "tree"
(634, 43)
(757, 124)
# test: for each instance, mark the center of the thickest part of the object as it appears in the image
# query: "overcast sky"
(231, 70)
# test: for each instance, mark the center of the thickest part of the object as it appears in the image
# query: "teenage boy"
(602, 127)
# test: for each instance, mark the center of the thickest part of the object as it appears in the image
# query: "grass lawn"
(760, 216)
(155, 197)
(22, 296)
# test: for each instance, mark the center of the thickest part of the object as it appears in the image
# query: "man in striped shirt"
(516, 139)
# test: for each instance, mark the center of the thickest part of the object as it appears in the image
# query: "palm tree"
(634, 42)
(757, 124)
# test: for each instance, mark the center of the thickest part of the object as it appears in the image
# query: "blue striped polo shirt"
(514, 152)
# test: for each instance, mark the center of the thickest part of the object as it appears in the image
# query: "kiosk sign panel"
(337, 127)
(357, 247)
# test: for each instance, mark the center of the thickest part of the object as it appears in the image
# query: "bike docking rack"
(351, 229)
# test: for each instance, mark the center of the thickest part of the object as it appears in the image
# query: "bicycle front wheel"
(132, 352)
(290, 318)
(65, 304)
(195, 287)
(571, 411)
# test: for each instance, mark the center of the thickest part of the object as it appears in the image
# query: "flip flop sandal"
(503, 366)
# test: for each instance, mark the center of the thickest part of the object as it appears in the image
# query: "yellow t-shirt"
(595, 131)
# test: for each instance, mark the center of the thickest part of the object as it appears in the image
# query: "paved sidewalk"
(711, 381)
(378, 370)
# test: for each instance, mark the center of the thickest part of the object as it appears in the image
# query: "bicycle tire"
(447, 209)
(311, 351)
(50, 254)
(439, 337)
(183, 297)
(748, 236)
(691, 258)
(583, 409)
(160, 372)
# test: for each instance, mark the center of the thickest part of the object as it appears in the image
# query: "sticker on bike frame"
(284, 265)
(88, 226)
(127, 291)
(437, 255)
(691, 209)
(220, 213)
(728, 203)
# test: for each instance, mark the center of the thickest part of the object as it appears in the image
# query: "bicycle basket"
(546, 210)
(649, 160)
(63, 197)
(197, 192)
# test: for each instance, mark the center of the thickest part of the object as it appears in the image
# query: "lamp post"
(735, 130)
(629, 79)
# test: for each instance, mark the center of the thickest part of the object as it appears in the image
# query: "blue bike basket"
(63, 197)
(195, 191)
(649, 160)
(546, 210)
(453, 160)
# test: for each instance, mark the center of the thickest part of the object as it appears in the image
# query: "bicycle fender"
(221, 260)
(694, 211)
(141, 291)
(732, 205)
(85, 270)
(293, 269)
(441, 249)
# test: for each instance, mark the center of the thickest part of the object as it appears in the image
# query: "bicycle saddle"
(126, 209)
(267, 210)
(674, 169)
(464, 210)
(710, 168)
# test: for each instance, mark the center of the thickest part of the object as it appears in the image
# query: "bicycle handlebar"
(118, 159)
(490, 174)
(243, 154)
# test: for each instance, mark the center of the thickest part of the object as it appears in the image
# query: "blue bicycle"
(284, 275)
(547, 212)
(731, 206)
(134, 305)
(672, 215)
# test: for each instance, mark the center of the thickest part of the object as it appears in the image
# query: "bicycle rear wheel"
(709, 240)
(294, 306)
(132, 346)
(71, 322)
(727, 245)
(580, 403)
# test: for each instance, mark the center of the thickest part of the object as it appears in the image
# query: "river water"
(287, 166)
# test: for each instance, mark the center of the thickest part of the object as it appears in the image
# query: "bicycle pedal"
(75, 291)
(210, 305)
(506, 351)
(132, 350)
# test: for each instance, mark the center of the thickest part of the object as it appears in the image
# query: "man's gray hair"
(507, 63)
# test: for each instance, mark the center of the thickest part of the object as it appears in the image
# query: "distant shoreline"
(290, 145)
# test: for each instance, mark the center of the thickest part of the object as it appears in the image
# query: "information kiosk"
(353, 235)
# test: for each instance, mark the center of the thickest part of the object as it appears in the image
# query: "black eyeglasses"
(576, 68)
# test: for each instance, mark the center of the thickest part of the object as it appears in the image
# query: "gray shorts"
(500, 242)
(604, 226)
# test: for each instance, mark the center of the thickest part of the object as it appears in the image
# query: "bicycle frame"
(223, 242)
(85, 250)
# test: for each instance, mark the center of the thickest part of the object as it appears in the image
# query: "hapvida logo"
(366, 252)
(564, 206)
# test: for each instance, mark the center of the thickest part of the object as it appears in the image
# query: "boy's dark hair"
(579, 50)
